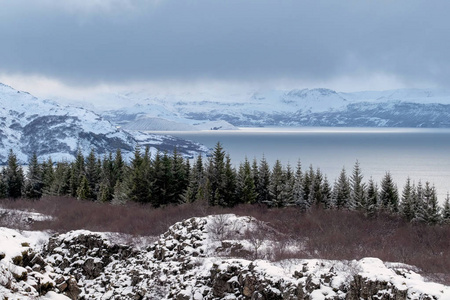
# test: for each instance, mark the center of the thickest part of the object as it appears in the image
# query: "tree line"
(167, 179)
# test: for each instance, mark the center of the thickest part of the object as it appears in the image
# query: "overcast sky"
(54, 46)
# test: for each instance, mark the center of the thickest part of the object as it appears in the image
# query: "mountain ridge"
(29, 125)
(429, 108)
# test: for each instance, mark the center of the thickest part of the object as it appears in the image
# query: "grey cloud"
(238, 40)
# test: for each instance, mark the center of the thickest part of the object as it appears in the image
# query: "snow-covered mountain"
(195, 259)
(307, 107)
(29, 124)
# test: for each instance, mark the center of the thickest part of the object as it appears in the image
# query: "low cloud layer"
(114, 42)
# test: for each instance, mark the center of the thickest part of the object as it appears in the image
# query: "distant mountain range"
(28, 124)
(429, 108)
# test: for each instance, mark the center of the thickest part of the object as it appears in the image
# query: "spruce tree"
(196, 182)
(388, 194)
(277, 186)
(288, 187)
(61, 184)
(118, 167)
(298, 192)
(341, 191)
(180, 175)
(407, 201)
(326, 194)
(3, 188)
(84, 190)
(255, 174)
(138, 187)
(429, 210)
(33, 183)
(308, 177)
(13, 177)
(48, 177)
(216, 176)
(229, 195)
(316, 189)
(358, 189)
(446, 210)
(372, 198)
(107, 179)
(262, 186)
(121, 193)
(77, 172)
(245, 183)
(92, 174)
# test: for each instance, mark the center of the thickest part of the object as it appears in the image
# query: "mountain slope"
(307, 107)
(28, 124)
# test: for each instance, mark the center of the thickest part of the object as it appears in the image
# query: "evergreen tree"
(245, 183)
(216, 176)
(60, 185)
(372, 198)
(316, 188)
(118, 167)
(3, 187)
(288, 188)
(429, 211)
(77, 173)
(341, 191)
(180, 175)
(84, 190)
(164, 183)
(418, 199)
(107, 179)
(196, 182)
(263, 184)
(298, 192)
(358, 189)
(92, 174)
(121, 193)
(277, 186)
(327, 200)
(388, 194)
(308, 177)
(33, 184)
(138, 187)
(13, 177)
(407, 201)
(48, 176)
(446, 210)
(229, 196)
(255, 174)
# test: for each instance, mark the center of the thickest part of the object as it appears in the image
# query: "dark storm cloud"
(88, 42)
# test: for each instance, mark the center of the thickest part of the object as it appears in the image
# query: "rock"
(62, 286)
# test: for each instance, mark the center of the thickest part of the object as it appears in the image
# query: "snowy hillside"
(28, 124)
(214, 257)
(307, 107)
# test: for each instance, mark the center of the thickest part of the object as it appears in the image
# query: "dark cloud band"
(237, 40)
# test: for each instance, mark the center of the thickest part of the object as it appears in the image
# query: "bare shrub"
(221, 228)
(318, 233)
(258, 233)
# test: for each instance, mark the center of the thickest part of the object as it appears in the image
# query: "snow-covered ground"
(214, 257)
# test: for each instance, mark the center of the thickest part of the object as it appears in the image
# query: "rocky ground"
(216, 257)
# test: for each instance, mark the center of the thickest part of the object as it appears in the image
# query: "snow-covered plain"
(212, 257)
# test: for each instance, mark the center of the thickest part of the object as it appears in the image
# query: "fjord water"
(421, 154)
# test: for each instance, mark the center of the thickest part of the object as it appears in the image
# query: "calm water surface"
(421, 154)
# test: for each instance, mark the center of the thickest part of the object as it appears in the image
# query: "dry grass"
(323, 233)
